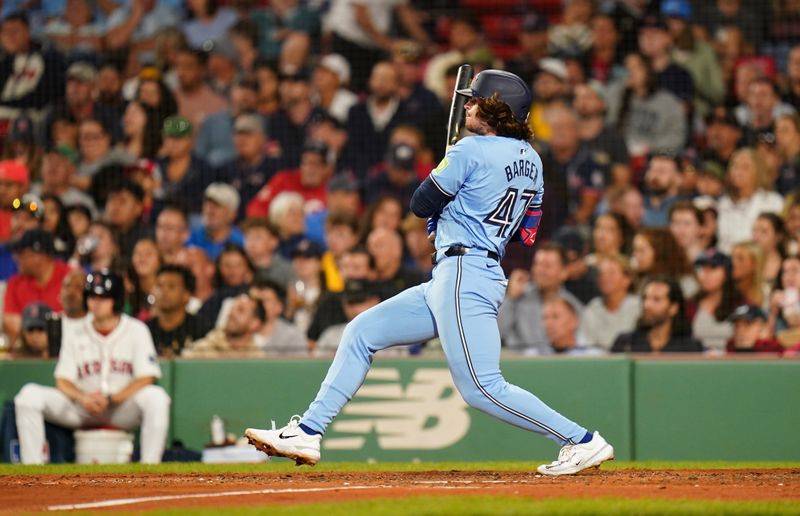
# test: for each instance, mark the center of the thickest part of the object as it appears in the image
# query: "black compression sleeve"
(428, 199)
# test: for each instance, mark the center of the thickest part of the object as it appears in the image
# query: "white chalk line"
(146, 499)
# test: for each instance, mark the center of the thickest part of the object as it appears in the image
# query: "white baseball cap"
(554, 67)
(338, 65)
(224, 195)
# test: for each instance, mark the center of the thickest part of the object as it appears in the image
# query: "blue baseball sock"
(308, 430)
(586, 438)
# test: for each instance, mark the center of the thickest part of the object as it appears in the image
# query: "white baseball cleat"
(576, 457)
(290, 442)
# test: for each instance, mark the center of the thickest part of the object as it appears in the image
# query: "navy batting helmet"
(104, 283)
(509, 88)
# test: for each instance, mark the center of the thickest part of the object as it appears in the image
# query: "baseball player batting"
(104, 377)
(486, 191)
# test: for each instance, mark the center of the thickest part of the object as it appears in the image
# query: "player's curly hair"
(498, 115)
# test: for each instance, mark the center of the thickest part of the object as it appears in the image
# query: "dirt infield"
(33, 493)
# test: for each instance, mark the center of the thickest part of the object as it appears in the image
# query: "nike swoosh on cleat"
(286, 436)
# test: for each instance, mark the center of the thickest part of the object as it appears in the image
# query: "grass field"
(463, 488)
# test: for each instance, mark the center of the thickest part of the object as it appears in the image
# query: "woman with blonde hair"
(747, 272)
(787, 139)
(746, 199)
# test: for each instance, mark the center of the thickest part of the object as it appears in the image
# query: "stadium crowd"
(247, 167)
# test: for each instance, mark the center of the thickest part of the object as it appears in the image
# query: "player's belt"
(460, 250)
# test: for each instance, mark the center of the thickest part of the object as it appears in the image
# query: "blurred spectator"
(109, 87)
(330, 80)
(751, 333)
(74, 305)
(662, 180)
(76, 31)
(286, 214)
(616, 310)
(98, 249)
(355, 264)
(787, 138)
(196, 99)
(415, 236)
(244, 36)
(234, 270)
(358, 297)
(784, 313)
(651, 119)
(663, 326)
(711, 180)
(202, 267)
(329, 131)
(14, 181)
(142, 131)
(173, 328)
(135, 25)
(561, 322)
(655, 44)
(724, 15)
(386, 248)
(604, 59)
(310, 284)
(550, 89)
(237, 338)
(581, 280)
(341, 235)
(520, 315)
(216, 138)
(184, 175)
(289, 126)
(251, 167)
(58, 172)
(628, 202)
(269, 101)
(573, 35)
(34, 339)
(39, 278)
(145, 264)
(628, 16)
(309, 181)
(282, 21)
(605, 144)
(208, 21)
(370, 122)
(172, 231)
(686, 225)
(20, 144)
(397, 178)
(723, 135)
(223, 65)
(261, 244)
(276, 335)
(611, 235)
(769, 233)
(791, 215)
(123, 212)
(745, 200)
(715, 301)
(694, 54)
(748, 272)
(153, 92)
(343, 195)
(220, 205)
(532, 40)
(762, 106)
(792, 87)
(585, 177)
(27, 213)
(655, 252)
(54, 221)
(94, 146)
(31, 75)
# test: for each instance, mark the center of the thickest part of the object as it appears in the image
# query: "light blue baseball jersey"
(496, 179)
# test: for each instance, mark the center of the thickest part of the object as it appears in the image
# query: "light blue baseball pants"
(460, 306)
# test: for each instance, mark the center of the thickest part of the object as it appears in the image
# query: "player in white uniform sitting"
(104, 377)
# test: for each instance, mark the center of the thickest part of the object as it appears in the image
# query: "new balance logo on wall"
(428, 414)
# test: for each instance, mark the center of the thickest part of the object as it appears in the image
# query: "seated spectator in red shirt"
(309, 181)
(14, 178)
(39, 278)
(751, 333)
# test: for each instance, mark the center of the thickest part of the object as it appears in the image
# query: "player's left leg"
(148, 407)
(465, 307)
(403, 319)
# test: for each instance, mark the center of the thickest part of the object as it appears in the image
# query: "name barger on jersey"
(522, 168)
(95, 367)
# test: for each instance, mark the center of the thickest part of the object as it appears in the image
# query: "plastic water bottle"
(217, 431)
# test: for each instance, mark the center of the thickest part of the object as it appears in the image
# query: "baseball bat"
(455, 121)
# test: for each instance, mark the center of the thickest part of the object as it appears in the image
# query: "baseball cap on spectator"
(408, 51)
(705, 203)
(318, 147)
(747, 313)
(676, 9)
(64, 150)
(125, 184)
(722, 115)
(35, 316)
(29, 203)
(342, 183)
(248, 123)
(713, 258)
(653, 22)
(221, 47)
(534, 22)
(554, 67)
(13, 171)
(338, 65)
(21, 130)
(177, 126)
(358, 291)
(298, 75)
(81, 71)
(713, 169)
(37, 240)
(401, 155)
(307, 249)
(571, 241)
(223, 194)
(150, 73)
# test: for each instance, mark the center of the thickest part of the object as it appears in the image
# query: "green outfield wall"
(408, 408)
